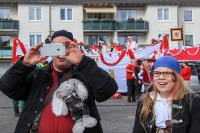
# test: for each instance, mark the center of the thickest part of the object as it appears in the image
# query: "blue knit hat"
(169, 62)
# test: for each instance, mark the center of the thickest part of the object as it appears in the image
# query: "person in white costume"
(130, 43)
(103, 46)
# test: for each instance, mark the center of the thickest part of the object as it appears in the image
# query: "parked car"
(195, 77)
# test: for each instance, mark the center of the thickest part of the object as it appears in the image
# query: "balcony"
(5, 52)
(9, 25)
(99, 25)
(112, 25)
(129, 25)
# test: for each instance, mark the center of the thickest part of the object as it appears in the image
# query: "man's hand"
(32, 57)
(73, 53)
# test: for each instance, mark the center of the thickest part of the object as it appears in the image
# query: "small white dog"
(70, 96)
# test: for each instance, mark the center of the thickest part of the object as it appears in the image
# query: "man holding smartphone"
(23, 82)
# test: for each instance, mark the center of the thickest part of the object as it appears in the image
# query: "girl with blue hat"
(171, 107)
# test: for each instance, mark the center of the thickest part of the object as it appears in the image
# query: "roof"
(118, 2)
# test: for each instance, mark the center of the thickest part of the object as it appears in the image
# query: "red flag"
(165, 42)
(16, 43)
(131, 54)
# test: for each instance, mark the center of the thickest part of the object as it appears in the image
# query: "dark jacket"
(137, 69)
(184, 118)
(47, 41)
(23, 82)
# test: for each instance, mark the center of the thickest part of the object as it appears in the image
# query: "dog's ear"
(58, 94)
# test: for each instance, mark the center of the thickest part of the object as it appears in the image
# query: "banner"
(119, 67)
(185, 54)
(18, 50)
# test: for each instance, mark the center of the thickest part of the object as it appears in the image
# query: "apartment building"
(93, 20)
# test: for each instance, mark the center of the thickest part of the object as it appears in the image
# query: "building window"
(4, 41)
(65, 13)
(103, 38)
(123, 39)
(188, 15)
(35, 38)
(124, 15)
(167, 34)
(96, 16)
(4, 13)
(188, 40)
(94, 40)
(163, 14)
(35, 13)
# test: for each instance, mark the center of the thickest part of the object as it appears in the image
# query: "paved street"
(117, 115)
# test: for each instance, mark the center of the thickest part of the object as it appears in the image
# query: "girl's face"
(162, 80)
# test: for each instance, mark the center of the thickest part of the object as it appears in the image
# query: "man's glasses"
(165, 74)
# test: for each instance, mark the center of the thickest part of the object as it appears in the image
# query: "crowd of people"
(165, 102)
(112, 47)
(104, 48)
(137, 78)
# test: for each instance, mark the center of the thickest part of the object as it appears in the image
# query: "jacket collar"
(48, 68)
(159, 98)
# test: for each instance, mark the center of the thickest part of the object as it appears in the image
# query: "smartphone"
(52, 49)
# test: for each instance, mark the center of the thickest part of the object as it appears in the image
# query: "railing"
(9, 25)
(103, 25)
(99, 25)
(5, 52)
(132, 25)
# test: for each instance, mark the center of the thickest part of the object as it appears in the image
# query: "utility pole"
(178, 23)
(50, 18)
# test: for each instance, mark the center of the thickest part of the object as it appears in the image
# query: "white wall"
(141, 14)
(191, 27)
(27, 26)
(75, 26)
(142, 40)
(155, 26)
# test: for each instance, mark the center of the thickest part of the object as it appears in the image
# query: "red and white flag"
(18, 50)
